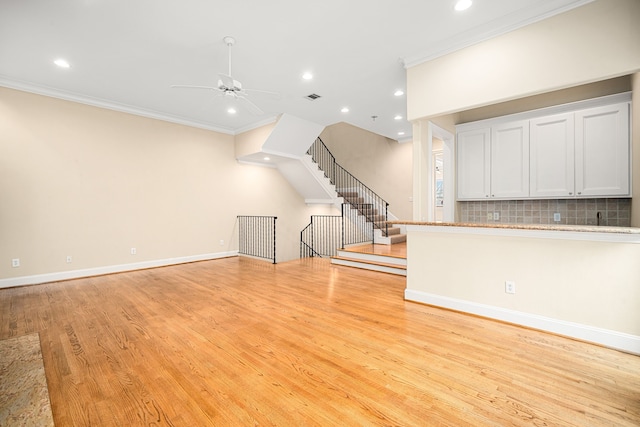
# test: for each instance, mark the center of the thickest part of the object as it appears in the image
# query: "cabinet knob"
(579, 192)
(493, 195)
(570, 193)
(486, 195)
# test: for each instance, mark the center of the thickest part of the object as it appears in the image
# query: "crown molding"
(491, 29)
(109, 105)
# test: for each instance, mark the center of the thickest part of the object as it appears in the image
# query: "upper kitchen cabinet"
(552, 156)
(474, 164)
(602, 151)
(493, 163)
(510, 160)
(572, 150)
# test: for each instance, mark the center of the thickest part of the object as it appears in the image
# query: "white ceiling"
(125, 54)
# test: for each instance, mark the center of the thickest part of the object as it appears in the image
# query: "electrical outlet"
(133, 251)
(69, 259)
(556, 217)
(510, 287)
(15, 262)
(221, 242)
(496, 216)
(489, 216)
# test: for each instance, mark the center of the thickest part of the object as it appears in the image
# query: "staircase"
(362, 210)
(355, 193)
(383, 233)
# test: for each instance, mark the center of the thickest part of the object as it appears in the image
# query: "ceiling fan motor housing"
(237, 86)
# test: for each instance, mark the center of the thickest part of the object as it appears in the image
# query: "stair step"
(393, 230)
(383, 267)
(373, 258)
(355, 201)
(398, 238)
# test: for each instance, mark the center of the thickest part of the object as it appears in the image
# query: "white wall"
(594, 42)
(587, 289)
(93, 183)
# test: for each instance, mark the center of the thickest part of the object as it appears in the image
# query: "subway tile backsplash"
(613, 212)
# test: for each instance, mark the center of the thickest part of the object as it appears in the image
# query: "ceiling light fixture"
(345, 109)
(400, 133)
(398, 92)
(266, 159)
(62, 63)
(398, 117)
(231, 111)
(462, 5)
(307, 76)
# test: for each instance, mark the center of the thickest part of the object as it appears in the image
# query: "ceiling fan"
(229, 87)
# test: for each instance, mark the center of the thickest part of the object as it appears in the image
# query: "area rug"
(24, 397)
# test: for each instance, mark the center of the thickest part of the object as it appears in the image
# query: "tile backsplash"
(613, 212)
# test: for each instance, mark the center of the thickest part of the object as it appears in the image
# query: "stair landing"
(377, 257)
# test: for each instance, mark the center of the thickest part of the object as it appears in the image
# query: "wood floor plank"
(238, 341)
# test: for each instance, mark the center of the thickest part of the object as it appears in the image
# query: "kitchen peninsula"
(577, 281)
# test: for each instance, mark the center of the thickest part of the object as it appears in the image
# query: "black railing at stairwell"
(328, 233)
(322, 237)
(257, 236)
(350, 188)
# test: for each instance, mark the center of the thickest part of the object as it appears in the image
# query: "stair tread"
(370, 262)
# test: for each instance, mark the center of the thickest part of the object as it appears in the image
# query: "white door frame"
(423, 198)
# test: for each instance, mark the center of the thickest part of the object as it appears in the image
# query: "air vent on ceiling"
(312, 97)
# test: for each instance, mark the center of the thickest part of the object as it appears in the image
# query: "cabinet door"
(602, 151)
(551, 156)
(510, 160)
(473, 165)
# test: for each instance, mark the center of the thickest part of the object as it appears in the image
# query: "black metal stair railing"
(257, 236)
(350, 188)
(328, 233)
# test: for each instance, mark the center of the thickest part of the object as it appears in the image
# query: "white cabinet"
(510, 160)
(551, 156)
(578, 152)
(493, 163)
(602, 151)
(474, 164)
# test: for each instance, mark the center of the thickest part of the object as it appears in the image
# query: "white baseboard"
(608, 338)
(76, 274)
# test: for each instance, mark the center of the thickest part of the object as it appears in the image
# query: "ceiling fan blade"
(253, 108)
(193, 87)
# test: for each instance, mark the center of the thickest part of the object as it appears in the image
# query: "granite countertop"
(540, 227)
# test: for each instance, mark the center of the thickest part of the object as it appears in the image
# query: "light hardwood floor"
(244, 342)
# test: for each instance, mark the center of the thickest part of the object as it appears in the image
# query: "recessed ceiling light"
(267, 159)
(345, 109)
(398, 92)
(398, 117)
(62, 63)
(231, 110)
(307, 76)
(400, 133)
(462, 5)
